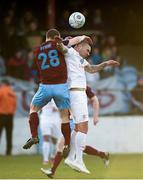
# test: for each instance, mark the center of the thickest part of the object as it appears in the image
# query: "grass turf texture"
(28, 167)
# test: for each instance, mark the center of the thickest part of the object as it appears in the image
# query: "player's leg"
(58, 142)
(53, 149)
(80, 113)
(33, 123)
(40, 99)
(55, 135)
(49, 149)
(71, 155)
(66, 131)
(58, 158)
(103, 155)
(80, 140)
(9, 129)
(62, 100)
(46, 132)
(2, 124)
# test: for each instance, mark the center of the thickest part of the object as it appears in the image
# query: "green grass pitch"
(28, 167)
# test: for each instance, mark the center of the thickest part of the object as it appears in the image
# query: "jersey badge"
(81, 61)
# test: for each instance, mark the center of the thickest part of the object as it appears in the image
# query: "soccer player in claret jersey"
(88, 149)
(52, 71)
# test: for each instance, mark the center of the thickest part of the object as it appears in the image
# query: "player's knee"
(34, 108)
(64, 114)
(61, 143)
(83, 127)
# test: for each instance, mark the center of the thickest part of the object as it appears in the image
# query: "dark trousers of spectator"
(6, 122)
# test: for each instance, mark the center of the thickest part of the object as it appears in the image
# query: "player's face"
(85, 50)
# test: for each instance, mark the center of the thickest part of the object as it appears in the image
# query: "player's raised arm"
(60, 45)
(95, 68)
(78, 39)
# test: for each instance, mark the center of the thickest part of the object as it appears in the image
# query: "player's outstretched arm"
(78, 39)
(60, 45)
(95, 68)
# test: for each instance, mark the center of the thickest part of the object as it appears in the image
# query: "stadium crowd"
(18, 39)
(21, 33)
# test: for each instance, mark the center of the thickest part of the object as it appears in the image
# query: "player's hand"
(68, 37)
(88, 40)
(112, 63)
(95, 120)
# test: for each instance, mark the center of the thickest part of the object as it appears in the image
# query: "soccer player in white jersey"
(50, 129)
(77, 65)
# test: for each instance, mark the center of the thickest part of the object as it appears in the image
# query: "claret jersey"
(50, 64)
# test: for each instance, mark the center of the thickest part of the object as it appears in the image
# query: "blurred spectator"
(114, 52)
(31, 66)
(106, 53)
(33, 29)
(25, 21)
(7, 111)
(137, 94)
(33, 35)
(11, 13)
(129, 76)
(95, 56)
(11, 42)
(30, 59)
(17, 66)
(2, 66)
(4, 31)
(111, 41)
(98, 19)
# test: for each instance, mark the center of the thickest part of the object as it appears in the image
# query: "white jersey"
(75, 67)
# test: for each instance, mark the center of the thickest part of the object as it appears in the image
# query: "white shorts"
(50, 125)
(79, 106)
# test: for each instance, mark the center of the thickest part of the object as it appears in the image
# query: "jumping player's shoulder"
(71, 50)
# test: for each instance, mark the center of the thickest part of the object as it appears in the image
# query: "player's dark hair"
(51, 33)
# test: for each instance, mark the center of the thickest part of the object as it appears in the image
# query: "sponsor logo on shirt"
(81, 61)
